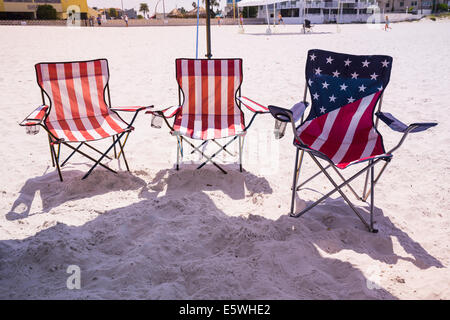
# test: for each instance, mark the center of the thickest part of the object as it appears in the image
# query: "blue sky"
(127, 4)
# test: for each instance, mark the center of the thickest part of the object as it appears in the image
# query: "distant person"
(126, 20)
(386, 25)
(280, 18)
(218, 20)
(99, 21)
(241, 22)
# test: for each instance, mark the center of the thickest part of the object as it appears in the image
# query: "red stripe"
(88, 101)
(74, 108)
(361, 136)
(379, 149)
(177, 122)
(100, 90)
(217, 97)
(192, 97)
(339, 129)
(58, 103)
(205, 95)
(230, 98)
(310, 134)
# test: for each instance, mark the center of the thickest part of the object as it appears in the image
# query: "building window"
(402, 4)
(290, 13)
(387, 5)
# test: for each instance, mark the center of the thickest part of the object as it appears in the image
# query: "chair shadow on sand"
(54, 192)
(177, 244)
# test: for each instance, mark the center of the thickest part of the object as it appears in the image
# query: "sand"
(157, 233)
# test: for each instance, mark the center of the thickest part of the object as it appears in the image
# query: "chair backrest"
(75, 89)
(344, 91)
(209, 86)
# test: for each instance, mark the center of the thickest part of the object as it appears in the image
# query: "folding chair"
(77, 112)
(209, 109)
(339, 129)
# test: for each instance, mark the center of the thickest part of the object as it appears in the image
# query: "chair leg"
(115, 153)
(294, 182)
(240, 153)
(51, 153)
(178, 152)
(52, 147)
(372, 198)
(123, 155)
(124, 143)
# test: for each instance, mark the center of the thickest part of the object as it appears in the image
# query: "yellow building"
(26, 9)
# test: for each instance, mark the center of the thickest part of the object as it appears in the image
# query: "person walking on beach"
(218, 20)
(99, 20)
(126, 20)
(386, 25)
(280, 18)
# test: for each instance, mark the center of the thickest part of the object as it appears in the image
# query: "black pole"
(208, 30)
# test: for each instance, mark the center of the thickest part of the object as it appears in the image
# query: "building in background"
(26, 9)
(341, 11)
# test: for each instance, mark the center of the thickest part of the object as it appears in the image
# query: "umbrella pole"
(208, 30)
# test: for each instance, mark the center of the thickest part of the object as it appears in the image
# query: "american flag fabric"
(209, 109)
(344, 91)
(78, 111)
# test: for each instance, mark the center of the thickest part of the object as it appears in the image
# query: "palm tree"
(194, 4)
(143, 7)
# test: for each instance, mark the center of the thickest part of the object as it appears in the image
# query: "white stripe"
(82, 109)
(211, 99)
(97, 101)
(372, 141)
(224, 98)
(185, 88)
(198, 100)
(322, 138)
(65, 101)
(348, 138)
(237, 112)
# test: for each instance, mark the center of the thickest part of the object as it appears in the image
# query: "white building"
(341, 11)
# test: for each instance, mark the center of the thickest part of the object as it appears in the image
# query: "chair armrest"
(167, 112)
(252, 105)
(399, 126)
(131, 109)
(35, 117)
(285, 115)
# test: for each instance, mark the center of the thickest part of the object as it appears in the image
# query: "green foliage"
(143, 7)
(46, 12)
(140, 16)
(442, 7)
(250, 12)
(112, 12)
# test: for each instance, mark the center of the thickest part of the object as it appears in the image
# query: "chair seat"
(206, 127)
(87, 128)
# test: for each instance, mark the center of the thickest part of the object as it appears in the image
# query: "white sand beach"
(158, 233)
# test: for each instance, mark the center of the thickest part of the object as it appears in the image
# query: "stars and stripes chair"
(340, 128)
(74, 111)
(209, 106)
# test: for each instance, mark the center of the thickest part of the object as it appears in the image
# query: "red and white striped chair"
(209, 105)
(77, 111)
